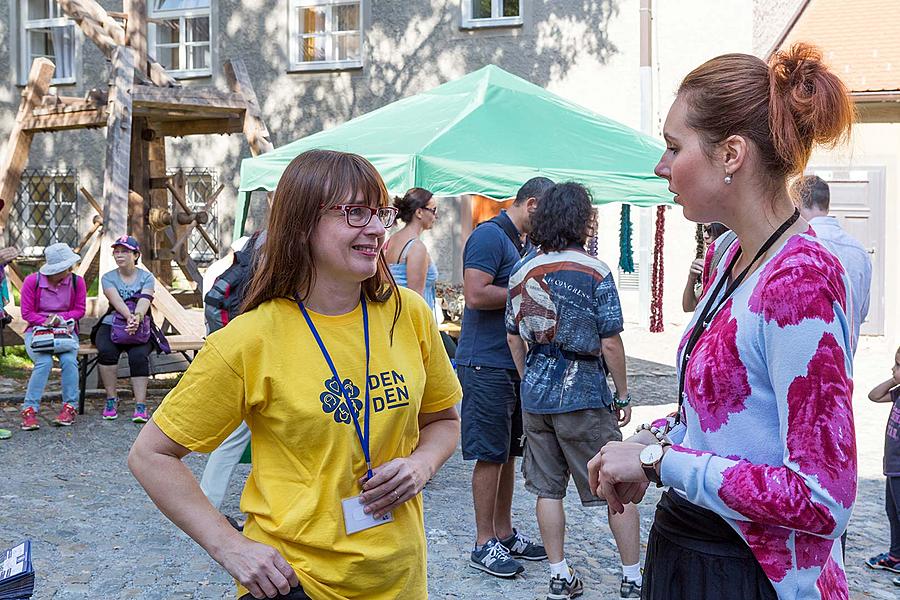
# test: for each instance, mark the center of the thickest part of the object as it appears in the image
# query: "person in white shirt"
(814, 199)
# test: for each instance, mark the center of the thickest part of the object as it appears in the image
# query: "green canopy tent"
(485, 133)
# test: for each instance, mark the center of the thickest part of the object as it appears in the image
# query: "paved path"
(96, 535)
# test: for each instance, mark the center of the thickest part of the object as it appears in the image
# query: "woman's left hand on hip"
(392, 484)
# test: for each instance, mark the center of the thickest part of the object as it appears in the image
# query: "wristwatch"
(650, 457)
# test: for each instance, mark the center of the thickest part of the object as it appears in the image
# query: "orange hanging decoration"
(656, 283)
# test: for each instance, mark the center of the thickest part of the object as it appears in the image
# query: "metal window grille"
(200, 183)
(46, 210)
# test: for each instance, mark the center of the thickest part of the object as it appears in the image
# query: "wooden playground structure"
(140, 106)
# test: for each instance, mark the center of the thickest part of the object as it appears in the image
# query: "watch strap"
(650, 470)
(652, 475)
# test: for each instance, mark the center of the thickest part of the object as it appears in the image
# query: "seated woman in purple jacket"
(52, 297)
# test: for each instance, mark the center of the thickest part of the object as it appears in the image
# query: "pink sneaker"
(110, 412)
(66, 416)
(29, 420)
(141, 415)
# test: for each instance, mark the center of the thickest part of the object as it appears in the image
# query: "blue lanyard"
(362, 433)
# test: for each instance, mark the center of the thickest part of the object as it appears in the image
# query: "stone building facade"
(318, 63)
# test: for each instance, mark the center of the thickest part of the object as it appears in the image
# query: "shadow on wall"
(409, 48)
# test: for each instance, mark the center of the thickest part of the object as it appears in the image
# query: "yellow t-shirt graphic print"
(266, 368)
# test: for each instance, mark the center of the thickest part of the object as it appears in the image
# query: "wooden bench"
(87, 360)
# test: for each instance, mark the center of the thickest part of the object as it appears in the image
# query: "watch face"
(651, 454)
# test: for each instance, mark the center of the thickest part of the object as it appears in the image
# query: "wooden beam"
(97, 224)
(94, 204)
(15, 156)
(89, 253)
(254, 128)
(14, 276)
(188, 266)
(66, 120)
(175, 314)
(159, 255)
(51, 100)
(177, 192)
(136, 32)
(118, 153)
(139, 185)
(198, 127)
(167, 115)
(136, 219)
(69, 107)
(147, 96)
(177, 188)
(106, 33)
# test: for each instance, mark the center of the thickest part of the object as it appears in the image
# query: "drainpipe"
(646, 214)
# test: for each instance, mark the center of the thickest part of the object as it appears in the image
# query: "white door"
(857, 200)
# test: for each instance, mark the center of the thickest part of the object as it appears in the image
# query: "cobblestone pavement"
(96, 535)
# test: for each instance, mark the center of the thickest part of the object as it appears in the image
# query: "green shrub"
(16, 363)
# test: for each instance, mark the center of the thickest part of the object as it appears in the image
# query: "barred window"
(200, 183)
(45, 211)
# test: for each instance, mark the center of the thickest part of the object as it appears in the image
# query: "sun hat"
(126, 241)
(58, 258)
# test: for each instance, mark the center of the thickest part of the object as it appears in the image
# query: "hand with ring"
(392, 484)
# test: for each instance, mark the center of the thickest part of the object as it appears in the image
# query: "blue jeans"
(43, 362)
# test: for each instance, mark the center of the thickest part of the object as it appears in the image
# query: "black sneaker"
(493, 558)
(520, 546)
(234, 523)
(561, 589)
(629, 589)
(884, 561)
(896, 581)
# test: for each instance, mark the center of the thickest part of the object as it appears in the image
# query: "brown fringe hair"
(313, 179)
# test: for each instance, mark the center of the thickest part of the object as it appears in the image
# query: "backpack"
(223, 301)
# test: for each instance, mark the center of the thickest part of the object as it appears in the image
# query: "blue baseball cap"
(126, 241)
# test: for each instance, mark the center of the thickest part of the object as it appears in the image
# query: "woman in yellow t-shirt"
(344, 383)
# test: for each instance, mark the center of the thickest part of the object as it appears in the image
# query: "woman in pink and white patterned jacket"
(760, 458)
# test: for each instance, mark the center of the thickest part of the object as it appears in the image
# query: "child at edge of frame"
(889, 391)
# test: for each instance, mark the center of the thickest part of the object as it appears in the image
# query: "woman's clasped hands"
(616, 475)
(134, 321)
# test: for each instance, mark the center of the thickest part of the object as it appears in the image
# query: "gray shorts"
(560, 445)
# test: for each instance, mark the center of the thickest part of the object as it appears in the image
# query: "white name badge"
(355, 519)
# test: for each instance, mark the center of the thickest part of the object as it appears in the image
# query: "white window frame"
(294, 37)
(182, 14)
(496, 19)
(25, 43)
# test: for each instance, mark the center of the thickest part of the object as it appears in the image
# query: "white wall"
(877, 145)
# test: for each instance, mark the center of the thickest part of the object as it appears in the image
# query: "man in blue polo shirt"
(491, 407)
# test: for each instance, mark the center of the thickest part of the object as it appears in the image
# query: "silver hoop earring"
(728, 180)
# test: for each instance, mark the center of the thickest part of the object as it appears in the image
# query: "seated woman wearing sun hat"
(53, 297)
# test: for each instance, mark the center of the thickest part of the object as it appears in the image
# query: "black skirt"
(693, 554)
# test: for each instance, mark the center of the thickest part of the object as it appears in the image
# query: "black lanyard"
(710, 310)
